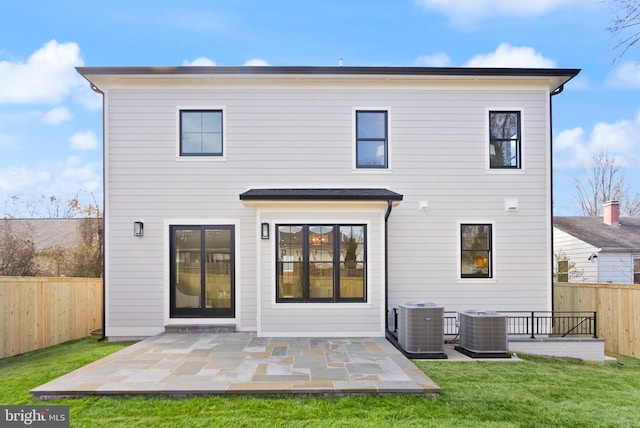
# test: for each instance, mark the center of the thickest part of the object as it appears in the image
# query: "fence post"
(595, 325)
(532, 325)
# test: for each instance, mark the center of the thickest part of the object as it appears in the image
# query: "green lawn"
(538, 392)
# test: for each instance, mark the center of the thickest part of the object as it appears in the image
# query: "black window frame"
(384, 140)
(336, 298)
(488, 250)
(222, 130)
(493, 142)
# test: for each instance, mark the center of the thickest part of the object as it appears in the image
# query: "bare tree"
(17, 251)
(605, 182)
(85, 257)
(626, 24)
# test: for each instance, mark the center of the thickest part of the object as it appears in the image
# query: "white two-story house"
(309, 201)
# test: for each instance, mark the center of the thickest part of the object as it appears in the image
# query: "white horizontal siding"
(577, 252)
(616, 268)
(279, 137)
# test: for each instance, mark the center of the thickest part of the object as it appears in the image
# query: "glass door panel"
(218, 271)
(188, 268)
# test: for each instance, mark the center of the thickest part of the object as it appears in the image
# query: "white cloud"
(81, 178)
(467, 12)
(56, 116)
(511, 56)
(625, 76)
(87, 98)
(46, 77)
(575, 147)
(15, 179)
(84, 140)
(199, 62)
(256, 62)
(439, 59)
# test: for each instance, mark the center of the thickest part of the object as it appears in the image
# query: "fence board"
(40, 312)
(618, 308)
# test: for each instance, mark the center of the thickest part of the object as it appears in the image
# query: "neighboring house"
(598, 249)
(308, 201)
(49, 236)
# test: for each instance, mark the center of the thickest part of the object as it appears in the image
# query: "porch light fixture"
(264, 231)
(138, 228)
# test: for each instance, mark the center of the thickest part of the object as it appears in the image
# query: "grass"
(538, 392)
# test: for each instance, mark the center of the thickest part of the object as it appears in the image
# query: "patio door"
(202, 272)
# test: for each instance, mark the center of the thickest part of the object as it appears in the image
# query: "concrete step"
(200, 328)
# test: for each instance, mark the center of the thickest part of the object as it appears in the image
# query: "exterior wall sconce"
(264, 231)
(138, 228)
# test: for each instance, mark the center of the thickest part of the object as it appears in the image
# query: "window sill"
(365, 305)
(476, 281)
(201, 158)
(372, 170)
(505, 171)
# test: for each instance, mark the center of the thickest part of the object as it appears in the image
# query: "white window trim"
(494, 271)
(487, 138)
(203, 158)
(354, 161)
(166, 236)
(634, 257)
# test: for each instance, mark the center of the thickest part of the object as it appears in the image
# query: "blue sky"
(51, 126)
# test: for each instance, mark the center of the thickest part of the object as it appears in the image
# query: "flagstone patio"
(241, 363)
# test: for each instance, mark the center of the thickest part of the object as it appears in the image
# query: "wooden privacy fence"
(618, 308)
(39, 312)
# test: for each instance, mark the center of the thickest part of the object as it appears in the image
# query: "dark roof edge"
(344, 70)
(353, 194)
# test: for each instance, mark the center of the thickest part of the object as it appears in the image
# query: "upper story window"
(504, 140)
(201, 133)
(321, 263)
(476, 251)
(372, 145)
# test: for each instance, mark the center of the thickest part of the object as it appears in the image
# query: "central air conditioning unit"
(421, 328)
(483, 334)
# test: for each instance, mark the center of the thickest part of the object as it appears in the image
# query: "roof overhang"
(102, 78)
(279, 195)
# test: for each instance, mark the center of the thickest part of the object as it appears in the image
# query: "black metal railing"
(532, 323)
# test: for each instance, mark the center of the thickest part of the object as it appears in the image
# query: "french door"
(202, 271)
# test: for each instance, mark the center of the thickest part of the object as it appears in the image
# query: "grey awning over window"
(370, 194)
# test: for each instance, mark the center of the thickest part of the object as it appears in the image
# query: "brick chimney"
(611, 213)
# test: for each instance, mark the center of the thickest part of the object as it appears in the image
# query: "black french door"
(202, 271)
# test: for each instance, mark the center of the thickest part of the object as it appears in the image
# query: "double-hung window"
(201, 133)
(321, 263)
(372, 145)
(504, 140)
(476, 251)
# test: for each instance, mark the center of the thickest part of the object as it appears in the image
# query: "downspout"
(103, 337)
(386, 265)
(556, 91)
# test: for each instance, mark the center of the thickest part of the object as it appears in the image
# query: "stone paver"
(236, 363)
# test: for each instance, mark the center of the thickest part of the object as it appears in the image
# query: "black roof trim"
(344, 70)
(355, 194)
